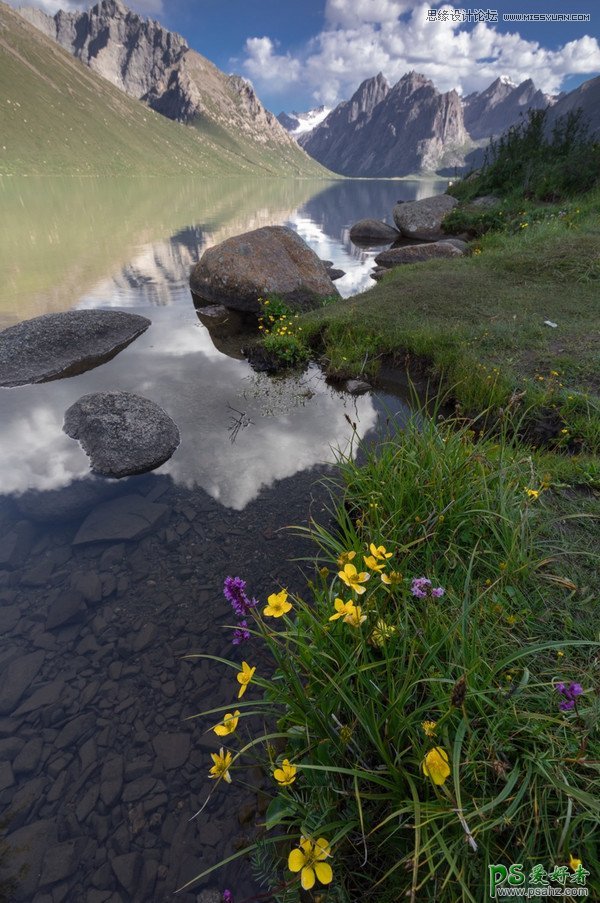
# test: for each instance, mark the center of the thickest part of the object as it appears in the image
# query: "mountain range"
(411, 127)
(84, 90)
(107, 90)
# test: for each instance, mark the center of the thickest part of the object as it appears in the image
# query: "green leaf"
(279, 809)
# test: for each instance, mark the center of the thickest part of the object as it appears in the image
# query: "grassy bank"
(478, 324)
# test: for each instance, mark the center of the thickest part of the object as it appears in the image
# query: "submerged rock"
(57, 345)
(423, 219)
(128, 517)
(272, 260)
(417, 253)
(366, 230)
(122, 433)
(68, 502)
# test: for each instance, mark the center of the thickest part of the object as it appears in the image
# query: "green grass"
(348, 699)
(476, 325)
(57, 117)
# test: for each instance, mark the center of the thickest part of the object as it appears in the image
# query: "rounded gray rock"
(272, 260)
(417, 253)
(57, 345)
(373, 230)
(423, 219)
(122, 433)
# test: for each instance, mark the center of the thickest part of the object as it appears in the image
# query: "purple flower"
(234, 590)
(421, 587)
(571, 693)
(240, 633)
(227, 896)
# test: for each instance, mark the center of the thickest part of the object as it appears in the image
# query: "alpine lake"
(102, 766)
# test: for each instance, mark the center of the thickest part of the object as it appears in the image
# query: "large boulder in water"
(374, 231)
(423, 219)
(122, 433)
(57, 345)
(273, 260)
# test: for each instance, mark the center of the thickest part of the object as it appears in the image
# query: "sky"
(304, 53)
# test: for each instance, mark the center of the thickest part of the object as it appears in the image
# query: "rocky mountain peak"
(368, 94)
(492, 111)
(157, 66)
(383, 131)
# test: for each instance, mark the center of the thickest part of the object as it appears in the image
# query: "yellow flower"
(228, 725)
(244, 677)
(391, 579)
(353, 579)
(372, 563)
(532, 493)
(341, 609)
(379, 552)
(574, 863)
(345, 557)
(429, 728)
(285, 775)
(382, 632)
(324, 572)
(277, 605)
(355, 616)
(435, 765)
(308, 860)
(222, 762)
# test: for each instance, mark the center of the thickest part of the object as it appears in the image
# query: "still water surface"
(99, 769)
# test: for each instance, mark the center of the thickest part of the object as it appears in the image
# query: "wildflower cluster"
(281, 332)
(276, 318)
(408, 729)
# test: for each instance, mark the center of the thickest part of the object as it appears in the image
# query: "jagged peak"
(412, 81)
(378, 80)
(112, 8)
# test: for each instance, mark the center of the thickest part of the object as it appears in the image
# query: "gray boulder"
(423, 219)
(417, 253)
(457, 243)
(373, 230)
(122, 433)
(65, 344)
(271, 260)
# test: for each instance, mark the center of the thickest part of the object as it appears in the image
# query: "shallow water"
(99, 770)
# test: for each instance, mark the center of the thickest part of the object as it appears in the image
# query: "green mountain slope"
(57, 117)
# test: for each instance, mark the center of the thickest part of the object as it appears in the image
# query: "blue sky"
(300, 54)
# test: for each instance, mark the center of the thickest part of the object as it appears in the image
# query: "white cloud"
(362, 37)
(264, 65)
